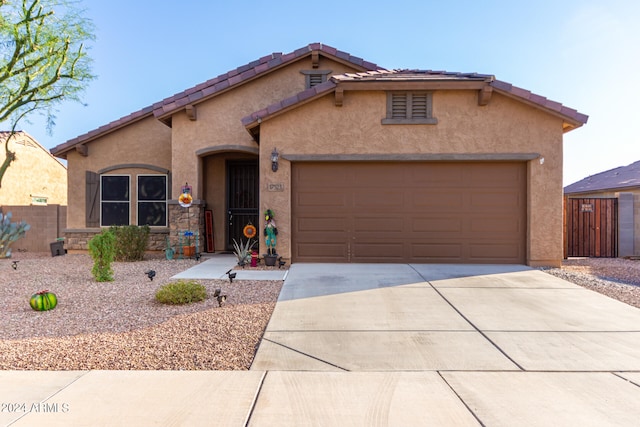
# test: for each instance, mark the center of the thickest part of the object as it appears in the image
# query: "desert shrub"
(131, 242)
(181, 292)
(102, 250)
(9, 233)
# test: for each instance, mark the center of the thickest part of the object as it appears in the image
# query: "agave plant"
(9, 233)
(243, 251)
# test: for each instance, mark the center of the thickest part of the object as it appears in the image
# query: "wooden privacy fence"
(591, 228)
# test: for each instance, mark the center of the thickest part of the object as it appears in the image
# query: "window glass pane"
(152, 214)
(152, 187)
(115, 213)
(115, 188)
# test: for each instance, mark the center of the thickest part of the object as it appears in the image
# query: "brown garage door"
(409, 212)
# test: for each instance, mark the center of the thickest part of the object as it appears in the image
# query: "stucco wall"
(145, 142)
(503, 126)
(218, 121)
(35, 172)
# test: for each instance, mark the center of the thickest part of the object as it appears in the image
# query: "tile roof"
(109, 127)
(164, 109)
(418, 75)
(214, 86)
(405, 74)
(248, 72)
(295, 100)
(525, 95)
(618, 178)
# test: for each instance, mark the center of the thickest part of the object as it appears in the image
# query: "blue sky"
(582, 53)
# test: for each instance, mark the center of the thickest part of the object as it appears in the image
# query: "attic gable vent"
(315, 77)
(409, 108)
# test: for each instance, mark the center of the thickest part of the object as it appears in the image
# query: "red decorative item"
(254, 258)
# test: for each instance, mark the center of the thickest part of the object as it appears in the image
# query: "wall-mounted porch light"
(274, 160)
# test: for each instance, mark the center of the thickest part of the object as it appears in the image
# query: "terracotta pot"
(188, 250)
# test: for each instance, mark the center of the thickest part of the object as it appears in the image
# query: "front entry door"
(242, 198)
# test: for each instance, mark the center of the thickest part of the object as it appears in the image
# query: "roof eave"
(252, 122)
(572, 119)
(235, 78)
(63, 149)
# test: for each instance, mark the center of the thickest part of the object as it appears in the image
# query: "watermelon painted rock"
(43, 301)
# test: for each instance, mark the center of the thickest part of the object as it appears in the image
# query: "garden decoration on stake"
(270, 232)
(185, 200)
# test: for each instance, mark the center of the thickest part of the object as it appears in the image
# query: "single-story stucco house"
(602, 216)
(35, 177)
(358, 163)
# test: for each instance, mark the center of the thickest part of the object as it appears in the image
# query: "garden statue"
(270, 232)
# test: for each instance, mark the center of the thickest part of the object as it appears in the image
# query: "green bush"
(102, 250)
(181, 292)
(131, 242)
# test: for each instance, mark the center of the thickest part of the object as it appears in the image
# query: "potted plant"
(188, 250)
(270, 232)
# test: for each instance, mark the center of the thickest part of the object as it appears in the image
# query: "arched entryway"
(231, 193)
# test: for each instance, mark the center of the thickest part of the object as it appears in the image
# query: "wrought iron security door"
(242, 198)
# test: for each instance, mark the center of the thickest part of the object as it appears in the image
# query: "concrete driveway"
(384, 345)
(447, 345)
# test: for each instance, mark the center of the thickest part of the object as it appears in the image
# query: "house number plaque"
(586, 207)
(277, 186)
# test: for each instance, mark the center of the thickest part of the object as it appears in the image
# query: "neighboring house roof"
(572, 118)
(201, 92)
(22, 137)
(618, 178)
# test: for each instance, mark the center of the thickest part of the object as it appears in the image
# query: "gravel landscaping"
(119, 325)
(617, 278)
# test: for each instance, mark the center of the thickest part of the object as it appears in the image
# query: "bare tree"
(43, 60)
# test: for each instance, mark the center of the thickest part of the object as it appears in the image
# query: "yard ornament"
(270, 231)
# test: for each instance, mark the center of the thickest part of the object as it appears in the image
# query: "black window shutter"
(92, 208)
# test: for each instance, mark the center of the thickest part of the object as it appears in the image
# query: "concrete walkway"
(378, 345)
(216, 267)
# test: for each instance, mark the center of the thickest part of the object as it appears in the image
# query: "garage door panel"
(378, 251)
(495, 252)
(322, 252)
(378, 175)
(436, 225)
(437, 175)
(383, 224)
(324, 225)
(378, 199)
(439, 200)
(495, 226)
(492, 200)
(326, 173)
(435, 252)
(311, 200)
(411, 212)
(500, 175)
